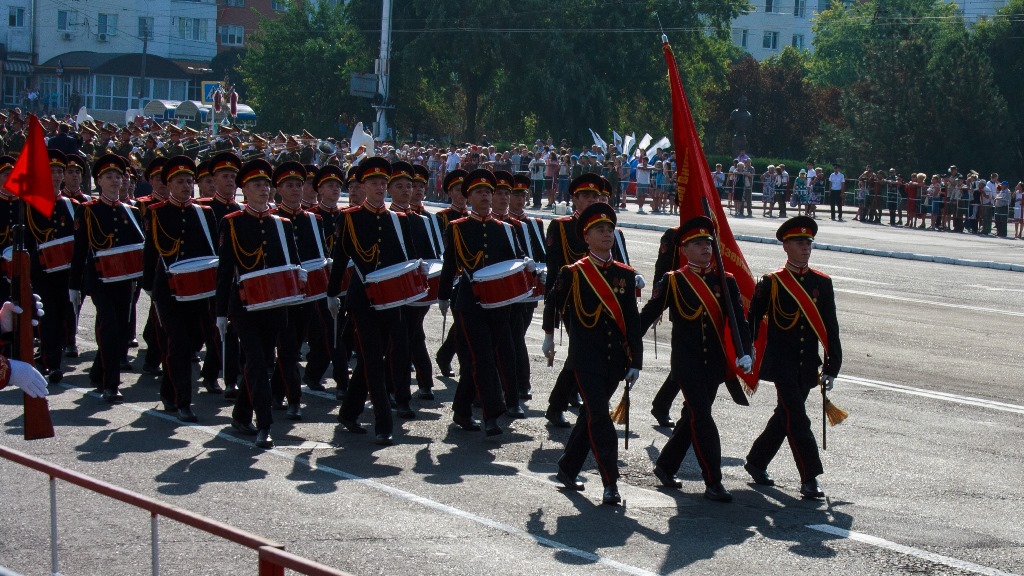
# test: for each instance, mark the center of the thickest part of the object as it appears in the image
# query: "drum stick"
(223, 354)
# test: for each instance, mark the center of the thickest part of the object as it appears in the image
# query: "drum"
(502, 284)
(121, 263)
(538, 287)
(433, 283)
(55, 255)
(395, 285)
(270, 288)
(5, 261)
(193, 279)
(346, 278)
(317, 274)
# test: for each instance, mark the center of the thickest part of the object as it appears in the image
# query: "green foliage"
(999, 40)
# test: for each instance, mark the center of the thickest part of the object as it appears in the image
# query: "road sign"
(209, 88)
(363, 85)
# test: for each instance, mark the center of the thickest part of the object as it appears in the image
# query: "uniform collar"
(576, 215)
(459, 209)
(797, 270)
(482, 217)
(326, 209)
(288, 210)
(400, 209)
(263, 214)
(374, 209)
(503, 217)
(108, 202)
(601, 262)
(702, 270)
(217, 197)
(519, 216)
(178, 204)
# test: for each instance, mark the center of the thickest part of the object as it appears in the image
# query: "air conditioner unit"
(101, 37)
(67, 36)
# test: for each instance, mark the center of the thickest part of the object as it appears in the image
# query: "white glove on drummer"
(632, 375)
(9, 309)
(424, 267)
(828, 381)
(26, 377)
(222, 325)
(303, 275)
(443, 306)
(531, 266)
(333, 306)
(746, 363)
(543, 276)
(76, 297)
(640, 283)
(548, 347)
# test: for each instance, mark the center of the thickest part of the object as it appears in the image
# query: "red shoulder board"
(463, 219)
(350, 209)
(624, 266)
(92, 202)
(563, 219)
(822, 274)
(157, 205)
(234, 214)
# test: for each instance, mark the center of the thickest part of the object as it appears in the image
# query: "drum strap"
(206, 229)
(526, 236)
(284, 244)
(316, 234)
(131, 217)
(398, 232)
(438, 244)
(70, 205)
(622, 247)
(538, 233)
(430, 233)
(508, 232)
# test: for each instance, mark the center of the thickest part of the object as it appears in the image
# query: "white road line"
(935, 395)
(860, 280)
(932, 302)
(993, 289)
(405, 495)
(817, 265)
(908, 550)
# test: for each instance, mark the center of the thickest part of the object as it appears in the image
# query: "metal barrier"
(272, 558)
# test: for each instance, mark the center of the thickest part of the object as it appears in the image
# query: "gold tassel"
(835, 414)
(621, 411)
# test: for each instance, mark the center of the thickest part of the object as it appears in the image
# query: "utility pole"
(384, 73)
(145, 51)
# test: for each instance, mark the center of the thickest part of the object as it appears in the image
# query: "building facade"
(237, 20)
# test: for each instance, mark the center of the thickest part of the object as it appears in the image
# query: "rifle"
(38, 423)
(732, 384)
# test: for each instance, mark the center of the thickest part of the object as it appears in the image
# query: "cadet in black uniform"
(799, 305)
(668, 260)
(453, 187)
(695, 298)
(8, 218)
(100, 225)
(484, 335)
(178, 230)
(253, 239)
(533, 232)
(595, 296)
(153, 331)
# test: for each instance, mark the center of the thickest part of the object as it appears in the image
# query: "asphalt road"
(925, 477)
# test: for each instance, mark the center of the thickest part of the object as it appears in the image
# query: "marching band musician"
(309, 191)
(73, 172)
(596, 298)
(419, 189)
(373, 238)
(513, 389)
(798, 303)
(103, 224)
(204, 180)
(178, 230)
(533, 243)
(8, 218)
(484, 336)
(152, 332)
(667, 260)
(253, 239)
(694, 297)
(453, 182)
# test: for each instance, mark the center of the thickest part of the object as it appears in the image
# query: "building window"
(739, 37)
(800, 8)
(231, 35)
(107, 24)
(16, 17)
(66, 20)
(279, 5)
(234, 3)
(146, 27)
(14, 87)
(769, 6)
(798, 41)
(771, 40)
(192, 29)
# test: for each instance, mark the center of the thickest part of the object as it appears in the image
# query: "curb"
(819, 245)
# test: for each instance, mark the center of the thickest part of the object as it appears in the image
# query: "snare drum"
(121, 263)
(433, 284)
(316, 279)
(538, 287)
(193, 279)
(346, 278)
(55, 255)
(502, 284)
(270, 288)
(395, 285)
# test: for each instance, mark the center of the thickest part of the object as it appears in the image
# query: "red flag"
(694, 181)
(30, 178)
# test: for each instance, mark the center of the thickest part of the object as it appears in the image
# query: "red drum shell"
(56, 255)
(502, 284)
(395, 285)
(120, 263)
(316, 279)
(270, 288)
(433, 284)
(193, 279)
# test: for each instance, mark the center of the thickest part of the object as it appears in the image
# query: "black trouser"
(561, 392)
(412, 317)
(1001, 214)
(133, 318)
(538, 189)
(257, 336)
(780, 197)
(52, 288)
(112, 310)
(378, 332)
(210, 341)
(985, 214)
(485, 344)
(232, 364)
(521, 323)
(287, 380)
(696, 427)
(151, 334)
(835, 201)
(446, 352)
(594, 431)
(666, 394)
(789, 422)
(182, 322)
(329, 340)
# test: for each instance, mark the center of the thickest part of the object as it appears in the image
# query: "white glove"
(303, 275)
(746, 363)
(26, 377)
(543, 276)
(222, 325)
(531, 266)
(333, 306)
(632, 375)
(827, 381)
(9, 309)
(548, 347)
(424, 267)
(443, 306)
(640, 281)
(76, 297)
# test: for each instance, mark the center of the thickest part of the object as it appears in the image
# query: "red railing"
(273, 560)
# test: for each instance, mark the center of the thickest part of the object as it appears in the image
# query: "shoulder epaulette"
(234, 214)
(624, 266)
(820, 273)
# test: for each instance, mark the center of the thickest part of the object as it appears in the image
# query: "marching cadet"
(514, 390)
(178, 230)
(694, 295)
(419, 189)
(204, 180)
(668, 260)
(251, 240)
(72, 187)
(8, 218)
(103, 224)
(595, 296)
(484, 335)
(453, 182)
(533, 243)
(798, 304)
(373, 237)
(152, 332)
(309, 191)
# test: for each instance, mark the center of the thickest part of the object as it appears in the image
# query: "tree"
(998, 38)
(297, 68)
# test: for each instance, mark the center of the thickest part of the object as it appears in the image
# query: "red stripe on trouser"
(464, 334)
(789, 437)
(704, 467)
(605, 476)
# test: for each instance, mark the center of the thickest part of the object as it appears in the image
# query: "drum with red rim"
(193, 279)
(120, 263)
(346, 278)
(502, 284)
(270, 288)
(538, 285)
(55, 255)
(433, 283)
(395, 285)
(317, 275)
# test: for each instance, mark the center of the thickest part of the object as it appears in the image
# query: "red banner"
(30, 178)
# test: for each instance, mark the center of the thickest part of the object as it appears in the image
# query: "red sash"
(806, 304)
(703, 292)
(603, 291)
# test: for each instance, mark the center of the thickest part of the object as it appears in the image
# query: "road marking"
(908, 550)
(860, 280)
(935, 395)
(993, 289)
(932, 302)
(399, 493)
(817, 265)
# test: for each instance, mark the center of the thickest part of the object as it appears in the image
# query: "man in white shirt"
(453, 160)
(988, 196)
(836, 188)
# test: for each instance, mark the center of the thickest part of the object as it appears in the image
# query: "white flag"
(644, 142)
(617, 140)
(662, 144)
(598, 140)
